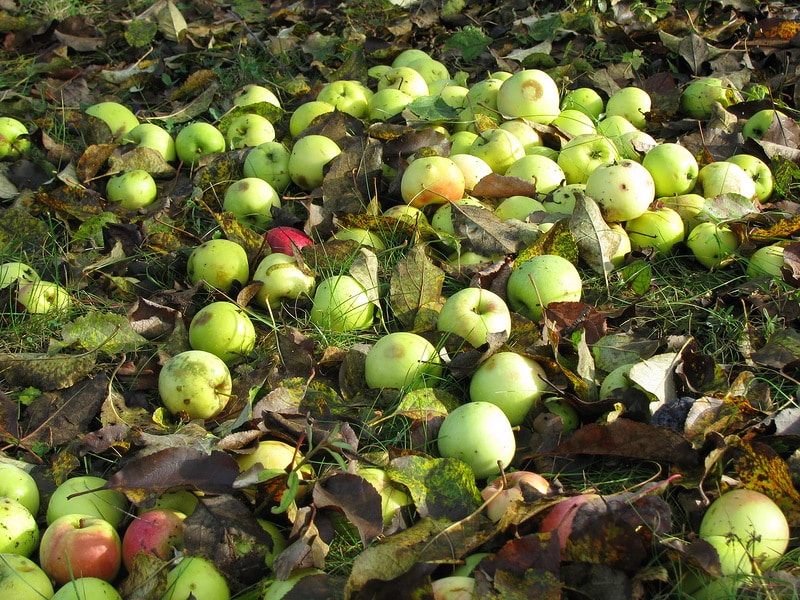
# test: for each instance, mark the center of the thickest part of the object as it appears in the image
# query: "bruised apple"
(504, 491)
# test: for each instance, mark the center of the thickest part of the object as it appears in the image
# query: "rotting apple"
(220, 263)
(23, 579)
(196, 140)
(78, 545)
(87, 588)
(19, 533)
(196, 383)
(248, 131)
(402, 360)
(41, 297)
(699, 96)
(13, 138)
(659, 228)
(107, 504)
(196, 577)
(583, 154)
(224, 329)
(505, 490)
(287, 240)
(479, 434)
(432, 180)
(543, 279)
(712, 245)
(673, 167)
(19, 485)
(767, 260)
(473, 313)
(723, 177)
(251, 200)
(341, 304)
(269, 161)
(158, 532)
(282, 279)
(310, 156)
(623, 190)
(630, 102)
(118, 117)
(454, 587)
(155, 137)
(530, 93)
(132, 189)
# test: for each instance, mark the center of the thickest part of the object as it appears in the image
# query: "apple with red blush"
(158, 532)
(505, 490)
(78, 545)
(285, 239)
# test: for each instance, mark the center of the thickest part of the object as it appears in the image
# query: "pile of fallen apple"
(651, 195)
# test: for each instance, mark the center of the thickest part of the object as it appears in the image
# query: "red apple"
(158, 531)
(80, 546)
(504, 491)
(284, 239)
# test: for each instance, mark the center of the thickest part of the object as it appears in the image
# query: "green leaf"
(637, 276)
(470, 41)
(108, 332)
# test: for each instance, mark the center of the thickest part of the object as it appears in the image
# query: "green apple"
(77, 545)
(481, 100)
(387, 103)
(269, 161)
(688, 206)
(16, 272)
(633, 103)
(432, 180)
(430, 69)
(17, 484)
(279, 543)
(224, 329)
(531, 94)
(512, 381)
(404, 361)
(393, 497)
(499, 148)
(19, 533)
(541, 280)
(196, 383)
(408, 56)
(617, 379)
(341, 304)
(282, 279)
(305, 114)
(539, 170)
(276, 589)
(150, 135)
(109, 505)
(220, 263)
(364, 237)
(473, 313)
(461, 142)
(87, 588)
(347, 96)
(479, 434)
(253, 94)
(442, 219)
(570, 420)
(657, 228)
(454, 587)
(614, 126)
(747, 528)
(40, 297)
(251, 200)
(573, 122)
(197, 578)
(698, 98)
(132, 189)
(767, 260)
(473, 168)
(196, 140)
(453, 95)
(586, 100)
(712, 245)
(524, 132)
(756, 126)
(635, 144)
(23, 579)
(624, 246)
(673, 167)
(119, 118)
(310, 155)
(181, 500)
(248, 131)
(583, 154)
(404, 79)
(562, 200)
(13, 138)
(518, 207)
(275, 455)
(407, 213)
(759, 172)
(623, 190)
(723, 177)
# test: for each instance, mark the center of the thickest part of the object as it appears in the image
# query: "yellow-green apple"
(562, 200)
(756, 126)
(181, 500)
(87, 588)
(573, 122)
(197, 578)
(393, 497)
(524, 132)
(23, 579)
(118, 117)
(614, 126)
(271, 457)
(504, 491)
(699, 96)
(404, 79)
(712, 245)
(635, 144)
(586, 100)
(481, 100)
(276, 589)
(688, 206)
(454, 587)
(132, 189)
(530, 93)
(518, 207)
(748, 530)
(13, 137)
(453, 95)
(195, 382)
(623, 248)
(461, 142)
(365, 237)
(468, 563)
(583, 154)
(341, 304)
(539, 170)
(767, 260)
(473, 313)
(623, 190)
(402, 360)
(510, 380)
(564, 411)
(430, 69)
(348, 96)
(110, 505)
(305, 114)
(498, 147)
(407, 213)
(155, 137)
(282, 279)
(659, 228)
(617, 379)
(248, 131)
(432, 180)
(406, 57)
(541, 280)
(387, 103)
(442, 218)
(287, 240)
(479, 434)
(632, 102)
(310, 155)
(198, 139)
(17, 272)
(158, 532)
(40, 297)
(759, 172)
(253, 94)
(224, 329)
(723, 177)
(220, 263)
(19, 533)
(19, 485)
(269, 161)
(251, 200)
(673, 167)
(279, 542)
(460, 259)
(77, 545)
(473, 168)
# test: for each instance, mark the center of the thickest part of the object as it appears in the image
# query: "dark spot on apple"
(203, 319)
(243, 185)
(187, 401)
